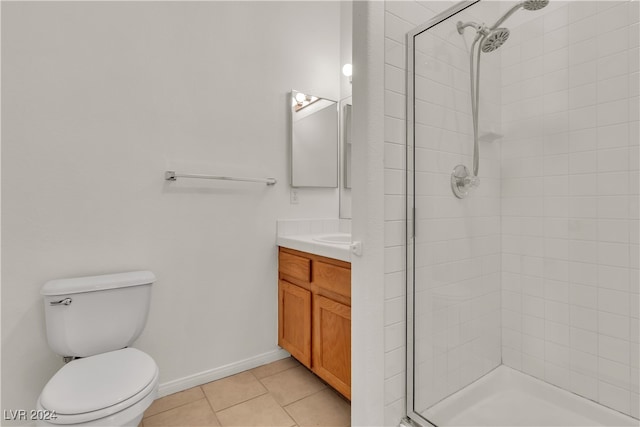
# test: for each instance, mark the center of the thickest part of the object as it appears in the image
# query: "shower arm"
(462, 25)
(506, 16)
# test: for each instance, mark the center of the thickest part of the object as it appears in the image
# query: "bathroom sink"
(335, 239)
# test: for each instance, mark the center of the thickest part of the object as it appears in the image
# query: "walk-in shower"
(523, 297)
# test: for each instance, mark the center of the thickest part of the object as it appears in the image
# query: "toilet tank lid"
(97, 283)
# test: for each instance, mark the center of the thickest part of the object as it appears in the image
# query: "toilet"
(92, 321)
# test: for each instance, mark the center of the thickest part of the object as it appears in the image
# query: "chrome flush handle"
(65, 301)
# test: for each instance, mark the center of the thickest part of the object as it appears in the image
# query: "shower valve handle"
(471, 181)
(462, 181)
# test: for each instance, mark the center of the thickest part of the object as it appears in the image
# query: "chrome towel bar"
(173, 176)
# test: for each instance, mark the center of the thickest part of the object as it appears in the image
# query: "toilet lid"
(97, 382)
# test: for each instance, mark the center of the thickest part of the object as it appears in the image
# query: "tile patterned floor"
(282, 393)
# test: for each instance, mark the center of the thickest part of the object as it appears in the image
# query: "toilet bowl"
(93, 321)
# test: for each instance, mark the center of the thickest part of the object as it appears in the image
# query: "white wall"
(570, 200)
(367, 270)
(99, 99)
(346, 50)
(346, 44)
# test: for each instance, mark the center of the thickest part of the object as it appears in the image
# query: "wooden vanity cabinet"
(294, 321)
(294, 306)
(314, 314)
(332, 343)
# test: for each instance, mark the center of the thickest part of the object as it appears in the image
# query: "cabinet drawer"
(332, 278)
(295, 266)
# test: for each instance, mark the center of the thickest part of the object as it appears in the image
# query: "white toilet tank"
(92, 315)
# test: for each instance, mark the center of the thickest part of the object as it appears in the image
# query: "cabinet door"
(332, 343)
(294, 321)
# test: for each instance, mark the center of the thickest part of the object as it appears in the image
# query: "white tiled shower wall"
(458, 334)
(576, 130)
(570, 200)
(395, 28)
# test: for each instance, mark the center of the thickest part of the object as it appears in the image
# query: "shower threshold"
(506, 397)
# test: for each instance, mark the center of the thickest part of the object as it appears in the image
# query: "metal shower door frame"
(414, 416)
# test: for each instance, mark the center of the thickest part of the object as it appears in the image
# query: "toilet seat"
(99, 386)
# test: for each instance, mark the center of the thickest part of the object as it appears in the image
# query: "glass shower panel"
(532, 277)
(456, 304)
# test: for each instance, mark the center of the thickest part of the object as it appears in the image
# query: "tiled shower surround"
(563, 179)
(570, 200)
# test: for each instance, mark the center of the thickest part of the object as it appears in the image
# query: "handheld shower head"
(494, 40)
(490, 39)
(526, 4)
(534, 4)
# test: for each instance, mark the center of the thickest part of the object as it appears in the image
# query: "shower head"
(490, 39)
(526, 4)
(534, 4)
(494, 40)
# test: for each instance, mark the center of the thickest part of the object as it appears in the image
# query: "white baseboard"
(204, 377)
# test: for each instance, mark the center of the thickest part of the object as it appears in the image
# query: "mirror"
(314, 141)
(345, 157)
(346, 143)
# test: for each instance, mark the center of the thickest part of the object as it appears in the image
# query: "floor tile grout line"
(313, 394)
(326, 388)
(266, 391)
(295, 423)
(304, 397)
(185, 404)
(300, 365)
(279, 372)
(211, 406)
(204, 396)
(240, 403)
(244, 401)
(284, 408)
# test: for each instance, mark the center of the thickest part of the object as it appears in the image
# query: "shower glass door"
(529, 271)
(455, 289)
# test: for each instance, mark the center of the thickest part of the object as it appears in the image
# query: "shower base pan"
(506, 397)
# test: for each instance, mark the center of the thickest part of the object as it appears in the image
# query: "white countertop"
(306, 243)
